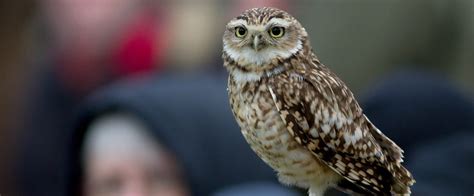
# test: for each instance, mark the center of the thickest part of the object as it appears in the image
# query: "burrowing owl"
(299, 117)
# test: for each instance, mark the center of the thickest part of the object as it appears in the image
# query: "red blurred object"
(139, 49)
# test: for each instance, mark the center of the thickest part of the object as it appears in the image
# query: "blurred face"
(88, 20)
(121, 161)
(128, 176)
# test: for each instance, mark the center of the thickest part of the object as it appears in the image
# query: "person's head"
(168, 122)
(120, 157)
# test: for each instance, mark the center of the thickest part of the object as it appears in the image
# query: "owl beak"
(257, 42)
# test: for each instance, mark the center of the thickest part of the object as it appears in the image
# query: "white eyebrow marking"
(238, 22)
(279, 21)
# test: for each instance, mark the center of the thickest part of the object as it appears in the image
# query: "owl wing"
(323, 115)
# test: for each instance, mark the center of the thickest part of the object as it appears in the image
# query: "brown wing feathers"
(297, 98)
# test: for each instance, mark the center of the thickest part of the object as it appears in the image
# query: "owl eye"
(277, 32)
(240, 32)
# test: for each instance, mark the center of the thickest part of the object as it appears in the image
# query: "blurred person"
(433, 121)
(92, 43)
(121, 158)
(164, 135)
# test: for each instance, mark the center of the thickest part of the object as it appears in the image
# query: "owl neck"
(242, 76)
(245, 74)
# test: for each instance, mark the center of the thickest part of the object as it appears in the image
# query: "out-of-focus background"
(55, 53)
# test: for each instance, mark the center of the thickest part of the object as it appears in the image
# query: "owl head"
(259, 36)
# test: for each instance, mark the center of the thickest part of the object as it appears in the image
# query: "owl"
(299, 117)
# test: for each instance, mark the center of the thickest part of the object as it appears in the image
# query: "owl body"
(299, 117)
(267, 135)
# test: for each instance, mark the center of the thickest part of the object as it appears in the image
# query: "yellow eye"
(277, 32)
(240, 32)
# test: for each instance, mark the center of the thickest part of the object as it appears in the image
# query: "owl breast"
(267, 135)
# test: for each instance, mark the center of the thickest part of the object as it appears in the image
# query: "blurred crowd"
(127, 97)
